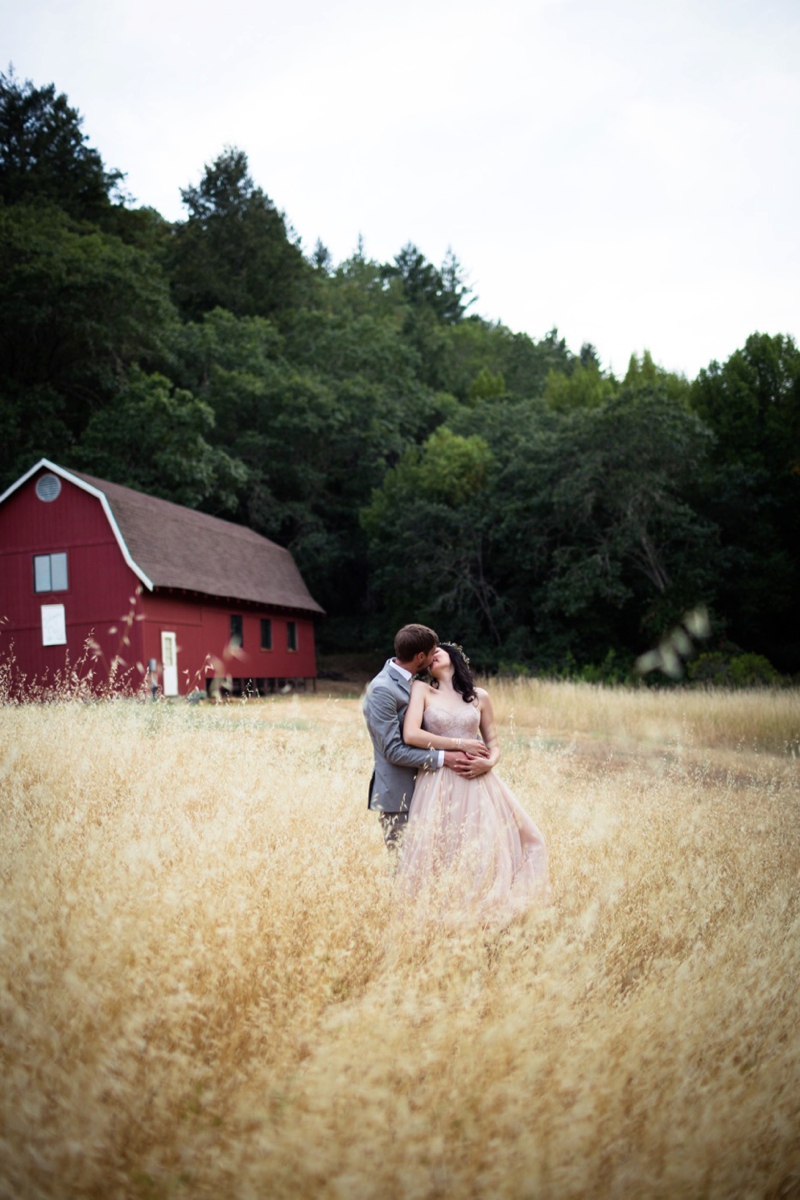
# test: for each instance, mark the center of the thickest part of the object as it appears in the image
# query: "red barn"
(150, 586)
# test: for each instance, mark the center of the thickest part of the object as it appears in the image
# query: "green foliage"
(44, 156)
(77, 306)
(453, 468)
(426, 526)
(643, 373)
(33, 424)
(594, 537)
(752, 402)
(155, 438)
(621, 507)
(144, 228)
(584, 387)
(486, 386)
(474, 348)
(234, 250)
(449, 469)
(443, 293)
(481, 360)
(611, 670)
(316, 415)
(737, 670)
(752, 490)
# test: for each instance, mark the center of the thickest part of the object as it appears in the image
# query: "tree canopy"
(420, 462)
(234, 250)
(44, 154)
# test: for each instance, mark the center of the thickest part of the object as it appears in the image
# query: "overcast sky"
(628, 170)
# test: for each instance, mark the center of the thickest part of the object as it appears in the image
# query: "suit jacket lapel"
(404, 683)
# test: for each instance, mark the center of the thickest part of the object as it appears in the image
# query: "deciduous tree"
(77, 307)
(159, 439)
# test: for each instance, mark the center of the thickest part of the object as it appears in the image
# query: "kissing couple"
(441, 806)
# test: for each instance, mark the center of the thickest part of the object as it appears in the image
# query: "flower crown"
(460, 650)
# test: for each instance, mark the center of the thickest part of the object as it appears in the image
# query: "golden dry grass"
(204, 993)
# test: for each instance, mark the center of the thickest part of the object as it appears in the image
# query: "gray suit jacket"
(396, 764)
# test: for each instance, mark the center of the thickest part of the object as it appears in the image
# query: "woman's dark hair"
(463, 679)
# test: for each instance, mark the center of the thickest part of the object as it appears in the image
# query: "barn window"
(266, 633)
(48, 487)
(237, 630)
(291, 635)
(50, 572)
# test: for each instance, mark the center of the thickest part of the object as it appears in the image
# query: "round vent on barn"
(48, 487)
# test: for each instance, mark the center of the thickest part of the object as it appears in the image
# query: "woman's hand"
(474, 747)
(473, 766)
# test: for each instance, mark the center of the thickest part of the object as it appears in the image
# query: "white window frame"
(38, 572)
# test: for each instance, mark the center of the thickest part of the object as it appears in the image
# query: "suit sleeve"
(380, 711)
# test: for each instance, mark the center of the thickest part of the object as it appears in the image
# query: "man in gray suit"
(385, 704)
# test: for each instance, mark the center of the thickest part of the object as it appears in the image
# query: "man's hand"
(472, 766)
(455, 759)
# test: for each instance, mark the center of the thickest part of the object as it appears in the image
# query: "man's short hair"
(412, 640)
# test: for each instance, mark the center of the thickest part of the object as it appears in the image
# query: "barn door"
(169, 662)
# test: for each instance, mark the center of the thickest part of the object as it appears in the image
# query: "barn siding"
(203, 633)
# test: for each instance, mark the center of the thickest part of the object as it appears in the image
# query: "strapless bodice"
(445, 723)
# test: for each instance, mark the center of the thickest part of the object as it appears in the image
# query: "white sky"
(628, 170)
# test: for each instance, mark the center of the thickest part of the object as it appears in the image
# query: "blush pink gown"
(469, 846)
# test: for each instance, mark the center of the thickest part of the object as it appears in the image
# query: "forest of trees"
(420, 462)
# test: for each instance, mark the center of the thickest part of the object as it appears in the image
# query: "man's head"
(414, 647)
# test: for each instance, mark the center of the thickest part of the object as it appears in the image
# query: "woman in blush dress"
(469, 841)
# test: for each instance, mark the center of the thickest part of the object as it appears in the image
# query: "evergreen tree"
(234, 250)
(44, 153)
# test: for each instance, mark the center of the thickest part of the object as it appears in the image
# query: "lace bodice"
(445, 723)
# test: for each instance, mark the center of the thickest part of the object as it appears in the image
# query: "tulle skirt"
(470, 850)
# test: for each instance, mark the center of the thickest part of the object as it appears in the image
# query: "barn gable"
(93, 491)
(169, 546)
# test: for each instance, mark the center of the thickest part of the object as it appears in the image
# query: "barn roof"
(170, 546)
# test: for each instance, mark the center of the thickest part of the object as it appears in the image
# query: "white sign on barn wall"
(54, 625)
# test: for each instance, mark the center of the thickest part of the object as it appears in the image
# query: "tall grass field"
(207, 991)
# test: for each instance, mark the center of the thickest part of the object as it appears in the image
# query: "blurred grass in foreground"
(204, 992)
